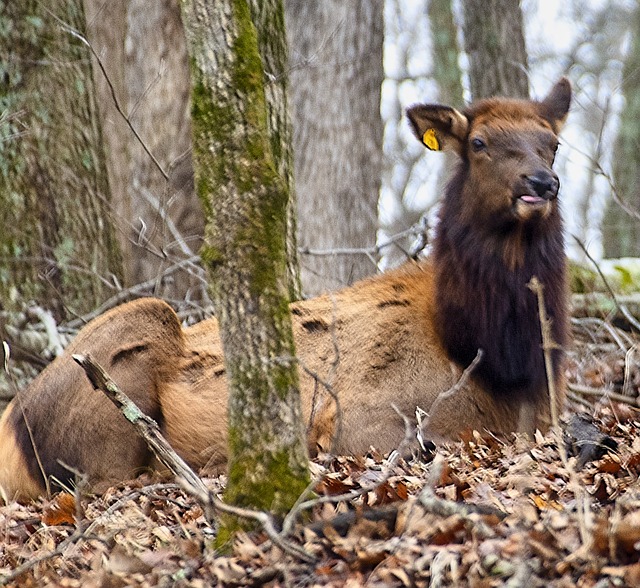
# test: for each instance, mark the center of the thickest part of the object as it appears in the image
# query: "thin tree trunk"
(336, 78)
(494, 43)
(58, 245)
(245, 201)
(621, 230)
(446, 52)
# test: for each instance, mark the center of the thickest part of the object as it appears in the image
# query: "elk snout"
(544, 184)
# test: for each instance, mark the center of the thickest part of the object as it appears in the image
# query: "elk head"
(507, 149)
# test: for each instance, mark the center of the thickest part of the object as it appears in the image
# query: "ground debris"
(513, 517)
(496, 511)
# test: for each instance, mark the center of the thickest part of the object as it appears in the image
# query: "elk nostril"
(543, 184)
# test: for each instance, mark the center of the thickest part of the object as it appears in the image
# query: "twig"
(372, 251)
(116, 102)
(604, 393)
(79, 534)
(387, 472)
(157, 206)
(58, 551)
(446, 508)
(548, 344)
(18, 397)
(462, 381)
(129, 293)
(148, 429)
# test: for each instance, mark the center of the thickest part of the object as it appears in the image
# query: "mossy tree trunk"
(621, 226)
(274, 53)
(57, 242)
(494, 42)
(245, 200)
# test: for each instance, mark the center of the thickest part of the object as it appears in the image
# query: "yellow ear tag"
(430, 140)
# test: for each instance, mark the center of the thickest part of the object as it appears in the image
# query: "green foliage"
(623, 277)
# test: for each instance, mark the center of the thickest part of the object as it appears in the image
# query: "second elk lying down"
(402, 337)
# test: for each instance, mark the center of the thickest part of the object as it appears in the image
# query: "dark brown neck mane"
(483, 301)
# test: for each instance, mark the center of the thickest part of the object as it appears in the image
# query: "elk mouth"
(529, 206)
(533, 200)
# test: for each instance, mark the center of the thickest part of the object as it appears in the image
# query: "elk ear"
(439, 127)
(555, 107)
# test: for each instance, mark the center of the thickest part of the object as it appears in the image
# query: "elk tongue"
(531, 199)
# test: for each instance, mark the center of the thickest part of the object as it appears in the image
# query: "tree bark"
(494, 42)
(275, 58)
(58, 244)
(245, 200)
(621, 230)
(143, 50)
(336, 78)
(446, 52)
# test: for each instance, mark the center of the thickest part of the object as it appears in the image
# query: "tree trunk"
(621, 228)
(336, 78)
(58, 245)
(245, 201)
(274, 52)
(446, 52)
(494, 43)
(143, 49)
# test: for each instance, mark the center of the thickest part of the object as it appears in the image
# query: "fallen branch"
(148, 429)
(446, 508)
(605, 394)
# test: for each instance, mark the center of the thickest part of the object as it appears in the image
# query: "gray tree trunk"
(336, 78)
(143, 49)
(494, 42)
(446, 52)
(246, 201)
(621, 226)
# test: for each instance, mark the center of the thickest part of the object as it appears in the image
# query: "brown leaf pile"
(520, 515)
(483, 512)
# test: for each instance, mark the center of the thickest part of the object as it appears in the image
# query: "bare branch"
(371, 252)
(132, 292)
(114, 96)
(148, 429)
(548, 345)
(604, 393)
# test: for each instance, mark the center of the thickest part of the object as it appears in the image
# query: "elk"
(401, 338)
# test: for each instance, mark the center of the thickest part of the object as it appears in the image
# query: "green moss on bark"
(245, 200)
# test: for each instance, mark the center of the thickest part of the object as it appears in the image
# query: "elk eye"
(478, 145)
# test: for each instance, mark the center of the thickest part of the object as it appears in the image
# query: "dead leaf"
(61, 511)
(610, 464)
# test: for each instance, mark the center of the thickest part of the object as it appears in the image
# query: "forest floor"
(485, 511)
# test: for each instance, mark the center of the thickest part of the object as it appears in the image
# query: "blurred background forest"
(97, 202)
